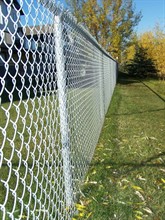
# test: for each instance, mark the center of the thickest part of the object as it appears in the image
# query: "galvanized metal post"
(103, 78)
(62, 96)
(101, 88)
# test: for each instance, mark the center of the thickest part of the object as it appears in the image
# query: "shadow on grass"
(125, 153)
(125, 79)
(123, 168)
(159, 96)
(137, 113)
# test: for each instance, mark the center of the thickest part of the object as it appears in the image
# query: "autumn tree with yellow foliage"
(153, 42)
(110, 21)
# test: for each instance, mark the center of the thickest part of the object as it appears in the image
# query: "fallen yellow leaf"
(89, 215)
(94, 172)
(80, 207)
(105, 203)
(163, 180)
(81, 214)
(137, 188)
(139, 212)
(138, 217)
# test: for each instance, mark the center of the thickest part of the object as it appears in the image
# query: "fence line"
(56, 83)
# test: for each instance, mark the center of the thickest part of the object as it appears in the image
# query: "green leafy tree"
(141, 65)
(153, 43)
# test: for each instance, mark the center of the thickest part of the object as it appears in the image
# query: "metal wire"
(56, 83)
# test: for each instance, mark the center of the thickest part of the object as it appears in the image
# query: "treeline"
(112, 23)
(146, 54)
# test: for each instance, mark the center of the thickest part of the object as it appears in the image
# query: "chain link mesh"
(56, 83)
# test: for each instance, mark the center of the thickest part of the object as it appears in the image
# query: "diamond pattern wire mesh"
(56, 84)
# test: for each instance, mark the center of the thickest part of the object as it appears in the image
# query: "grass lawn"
(126, 179)
(157, 85)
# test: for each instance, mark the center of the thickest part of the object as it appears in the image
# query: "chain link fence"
(56, 83)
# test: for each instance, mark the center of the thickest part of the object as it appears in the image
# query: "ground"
(126, 179)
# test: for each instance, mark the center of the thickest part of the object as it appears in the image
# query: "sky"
(153, 12)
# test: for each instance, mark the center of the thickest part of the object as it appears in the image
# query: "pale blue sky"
(153, 12)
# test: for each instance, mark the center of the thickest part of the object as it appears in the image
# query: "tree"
(110, 21)
(141, 65)
(76, 8)
(87, 13)
(91, 17)
(130, 50)
(154, 42)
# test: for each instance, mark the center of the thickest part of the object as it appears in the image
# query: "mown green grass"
(126, 180)
(157, 85)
